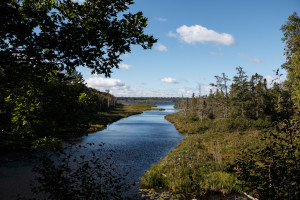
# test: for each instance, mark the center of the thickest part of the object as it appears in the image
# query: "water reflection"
(137, 142)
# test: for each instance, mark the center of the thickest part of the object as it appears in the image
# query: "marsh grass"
(203, 163)
(102, 119)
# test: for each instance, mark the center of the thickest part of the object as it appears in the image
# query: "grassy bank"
(97, 123)
(102, 119)
(203, 163)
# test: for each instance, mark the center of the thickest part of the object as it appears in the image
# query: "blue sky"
(198, 39)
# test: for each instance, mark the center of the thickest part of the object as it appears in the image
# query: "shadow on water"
(132, 145)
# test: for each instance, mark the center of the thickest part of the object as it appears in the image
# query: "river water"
(137, 142)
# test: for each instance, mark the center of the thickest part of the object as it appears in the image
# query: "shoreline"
(98, 123)
(201, 165)
(122, 110)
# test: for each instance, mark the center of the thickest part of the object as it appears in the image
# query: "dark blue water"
(137, 142)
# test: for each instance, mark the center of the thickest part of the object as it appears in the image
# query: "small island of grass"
(102, 119)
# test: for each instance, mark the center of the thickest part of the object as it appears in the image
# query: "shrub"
(154, 178)
(221, 182)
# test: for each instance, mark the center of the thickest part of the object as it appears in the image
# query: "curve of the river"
(137, 142)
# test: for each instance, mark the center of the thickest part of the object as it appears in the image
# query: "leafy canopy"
(291, 33)
(42, 42)
(68, 34)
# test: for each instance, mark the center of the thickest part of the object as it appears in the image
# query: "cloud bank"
(103, 84)
(168, 80)
(120, 89)
(199, 34)
(124, 66)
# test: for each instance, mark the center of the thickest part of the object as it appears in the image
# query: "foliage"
(47, 143)
(292, 52)
(68, 34)
(203, 163)
(62, 105)
(154, 178)
(41, 45)
(71, 174)
(272, 171)
(220, 126)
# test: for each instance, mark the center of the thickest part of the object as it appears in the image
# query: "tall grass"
(203, 162)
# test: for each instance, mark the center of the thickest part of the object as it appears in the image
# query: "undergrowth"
(203, 163)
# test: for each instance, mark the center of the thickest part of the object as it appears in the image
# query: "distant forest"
(149, 99)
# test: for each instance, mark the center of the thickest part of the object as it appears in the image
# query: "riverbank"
(204, 162)
(122, 110)
(97, 123)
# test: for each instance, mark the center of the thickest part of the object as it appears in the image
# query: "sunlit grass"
(203, 163)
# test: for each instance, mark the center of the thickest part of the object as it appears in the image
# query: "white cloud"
(252, 59)
(197, 33)
(120, 89)
(124, 66)
(168, 80)
(161, 47)
(160, 19)
(103, 84)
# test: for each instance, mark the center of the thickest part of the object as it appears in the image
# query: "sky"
(197, 40)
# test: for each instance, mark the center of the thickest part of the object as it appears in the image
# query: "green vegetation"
(42, 43)
(203, 162)
(242, 137)
(159, 109)
(292, 52)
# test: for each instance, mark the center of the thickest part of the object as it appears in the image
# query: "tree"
(291, 32)
(221, 85)
(271, 170)
(43, 40)
(258, 87)
(239, 90)
(69, 34)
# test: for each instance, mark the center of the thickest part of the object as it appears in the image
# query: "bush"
(154, 178)
(221, 182)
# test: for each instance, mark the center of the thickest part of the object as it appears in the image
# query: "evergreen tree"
(239, 92)
(291, 32)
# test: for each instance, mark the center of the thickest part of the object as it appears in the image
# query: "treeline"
(149, 99)
(245, 101)
(242, 137)
(53, 105)
(266, 164)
